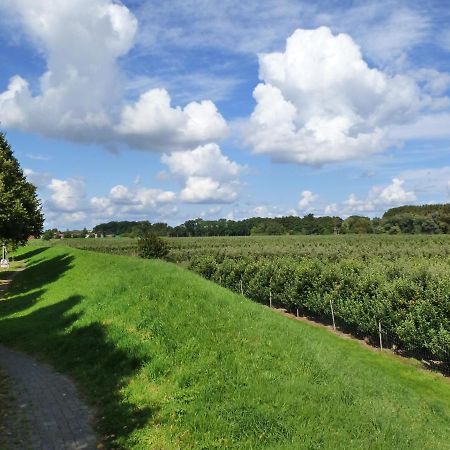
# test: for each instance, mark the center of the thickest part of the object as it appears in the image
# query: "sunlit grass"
(171, 361)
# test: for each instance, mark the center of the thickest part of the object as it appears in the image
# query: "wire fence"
(382, 337)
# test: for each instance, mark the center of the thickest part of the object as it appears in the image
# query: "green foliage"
(357, 225)
(151, 246)
(415, 313)
(172, 361)
(48, 234)
(131, 229)
(20, 209)
(429, 219)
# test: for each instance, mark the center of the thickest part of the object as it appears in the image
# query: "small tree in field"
(20, 209)
(151, 246)
(47, 235)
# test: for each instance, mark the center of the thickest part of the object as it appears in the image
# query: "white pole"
(242, 289)
(270, 299)
(4, 261)
(332, 314)
(379, 334)
(297, 313)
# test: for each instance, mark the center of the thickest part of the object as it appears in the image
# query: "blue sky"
(180, 109)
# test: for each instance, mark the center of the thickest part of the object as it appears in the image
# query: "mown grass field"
(170, 360)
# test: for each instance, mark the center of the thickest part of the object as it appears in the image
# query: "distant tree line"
(426, 219)
(429, 219)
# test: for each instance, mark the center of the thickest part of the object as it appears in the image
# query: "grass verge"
(170, 360)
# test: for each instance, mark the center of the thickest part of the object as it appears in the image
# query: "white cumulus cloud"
(208, 175)
(393, 194)
(205, 160)
(67, 195)
(153, 121)
(207, 190)
(81, 41)
(307, 199)
(68, 202)
(138, 200)
(380, 197)
(81, 94)
(320, 102)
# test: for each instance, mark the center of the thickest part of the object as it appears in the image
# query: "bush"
(47, 235)
(152, 246)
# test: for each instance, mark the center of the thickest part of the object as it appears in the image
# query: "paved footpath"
(50, 414)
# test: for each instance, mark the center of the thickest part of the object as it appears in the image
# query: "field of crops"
(398, 283)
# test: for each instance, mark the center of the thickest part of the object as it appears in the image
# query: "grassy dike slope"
(170, 360)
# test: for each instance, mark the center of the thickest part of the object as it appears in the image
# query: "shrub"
(152, 246)
(47, 235)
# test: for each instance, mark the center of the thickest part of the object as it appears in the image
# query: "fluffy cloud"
(380, 197)
(239, 212)
(320, 102)
(66, 201)
(206, 160)
(39, 179)
(67, 195)
(153, 120)
(307, 198)
(331, 208)
(207, 190)
(393, 194)
(138, 201)
(80, 96)
(208, 175)
(81, 41)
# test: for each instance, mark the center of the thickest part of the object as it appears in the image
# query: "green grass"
(170, 360)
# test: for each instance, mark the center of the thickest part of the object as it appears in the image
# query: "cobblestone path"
(47, 412)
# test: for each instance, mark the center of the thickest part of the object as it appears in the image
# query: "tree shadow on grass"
(30, 253)
(86, 353)
(27, 286)
(6, 274)
(40, 273)
(19, 303)
(83, 351)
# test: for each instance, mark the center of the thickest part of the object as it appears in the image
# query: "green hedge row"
(411, 298)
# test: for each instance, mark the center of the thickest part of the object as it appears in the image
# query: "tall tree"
(20, 209)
